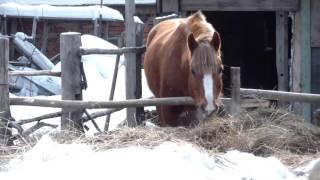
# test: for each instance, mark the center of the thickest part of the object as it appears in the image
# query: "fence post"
(70, 43)
(138, 93)
(131, 60)
(5, 115)
(235, 91)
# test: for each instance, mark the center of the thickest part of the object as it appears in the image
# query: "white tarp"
(77, 2)
(53, 12)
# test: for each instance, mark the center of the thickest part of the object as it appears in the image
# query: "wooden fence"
(73, 106)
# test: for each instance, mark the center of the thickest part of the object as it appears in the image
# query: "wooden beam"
(306, 55)
(45, 37)
(237, 5)
(138, 91)
(170, 6)
(34, 73)
(315, 23)
(131, 61)
(282, 61)
(71, 79)
(4, 85)
(133, 50)
(5, 115)
(235, 91)
(13, 30)
(28, 101)
(281, 95)
(34, 30)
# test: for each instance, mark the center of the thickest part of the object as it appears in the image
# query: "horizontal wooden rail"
(84, 51)
(100, 104)
(281, 95)
(34, 73)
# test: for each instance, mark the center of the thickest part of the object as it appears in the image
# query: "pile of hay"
(264, 132)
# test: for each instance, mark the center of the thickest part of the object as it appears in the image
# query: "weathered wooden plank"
(45, 37)
(170, 6)
(71, 79)
(306, 55)
(140, 49)
(5, 131)
(315, 23)
(34, 30)
(296, 63)
(282, 61)
(281, 95)
(138, 90)
(35, 73)
(28, 101)
(315, 74)
(237, 5)
(13, 30)
(131, 60)
(4, 85)
(235, 91)
(114, 81)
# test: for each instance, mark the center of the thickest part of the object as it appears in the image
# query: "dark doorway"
(248, 41)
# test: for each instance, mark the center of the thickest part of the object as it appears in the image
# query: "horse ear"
(192, 43)
(216, 41)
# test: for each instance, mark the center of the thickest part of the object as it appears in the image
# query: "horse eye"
(193, 72)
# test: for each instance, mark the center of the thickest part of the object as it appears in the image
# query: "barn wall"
(229, 5)
(315, 50)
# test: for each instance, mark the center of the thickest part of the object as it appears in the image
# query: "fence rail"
(282, 95)
(84, 51)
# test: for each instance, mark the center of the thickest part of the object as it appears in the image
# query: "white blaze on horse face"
(208, 83)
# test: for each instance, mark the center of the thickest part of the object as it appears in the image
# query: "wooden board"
(315, 73)
(282, 50)
(170, 6)
(239, 5)
(315, 23)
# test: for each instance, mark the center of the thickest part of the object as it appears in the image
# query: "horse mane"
(201, 29)
(207, 59)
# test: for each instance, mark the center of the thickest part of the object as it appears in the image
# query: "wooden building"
(275, 42)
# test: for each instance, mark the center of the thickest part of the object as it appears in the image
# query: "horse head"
(205, 72)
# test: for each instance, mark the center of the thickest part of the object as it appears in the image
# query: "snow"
(169, 160)
(44, 11)
(78, 2)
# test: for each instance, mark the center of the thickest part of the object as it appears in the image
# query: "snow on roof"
(66, 12)
(78, 2)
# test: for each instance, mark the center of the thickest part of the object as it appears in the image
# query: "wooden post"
(71, 79)
(45, 37)
(114, 81)
(131, 60)
(5, 132)
(235, 91)
(96, 27)
(282, 50)
(13, 30)
(282, 60)
(306, 55)
(138, 91)
(34, 30)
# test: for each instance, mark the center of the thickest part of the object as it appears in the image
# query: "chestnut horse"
(183, 58)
